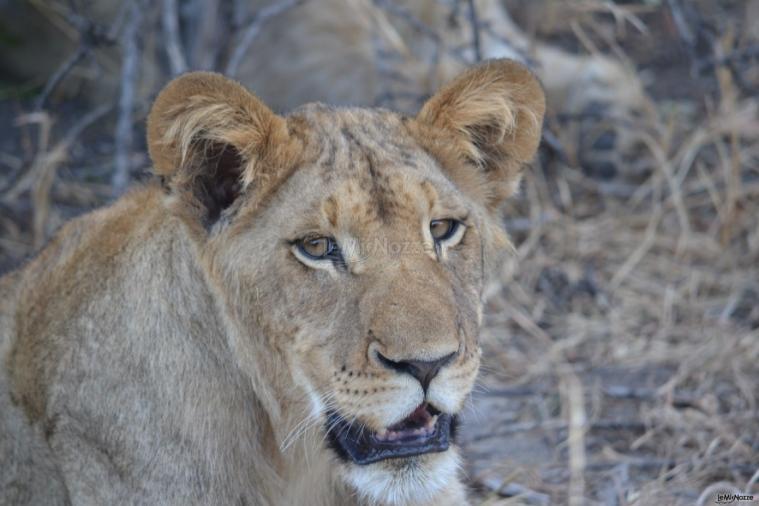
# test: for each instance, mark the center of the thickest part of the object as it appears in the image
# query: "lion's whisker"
(306, 423)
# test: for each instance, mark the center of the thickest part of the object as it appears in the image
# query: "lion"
(287, 314)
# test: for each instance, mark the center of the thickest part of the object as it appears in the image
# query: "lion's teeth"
(392, 435)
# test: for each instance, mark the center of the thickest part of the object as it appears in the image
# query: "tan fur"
(156, 352)
(498, 131)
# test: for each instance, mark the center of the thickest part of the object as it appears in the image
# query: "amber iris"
(443, 229)
(317, 247)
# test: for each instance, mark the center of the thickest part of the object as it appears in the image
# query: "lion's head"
(348, 250)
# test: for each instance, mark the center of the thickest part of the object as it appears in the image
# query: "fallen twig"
(511, 489)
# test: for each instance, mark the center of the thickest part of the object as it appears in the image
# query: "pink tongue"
(419, 417)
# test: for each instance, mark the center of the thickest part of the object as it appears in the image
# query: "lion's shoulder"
(41, 299)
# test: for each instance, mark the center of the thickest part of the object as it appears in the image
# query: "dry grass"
(621, 344)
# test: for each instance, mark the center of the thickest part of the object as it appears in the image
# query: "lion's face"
(350, 266)
(372, 286)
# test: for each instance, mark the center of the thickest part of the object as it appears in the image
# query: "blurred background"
(621, 343)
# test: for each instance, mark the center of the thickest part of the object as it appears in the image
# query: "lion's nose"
(423, 370)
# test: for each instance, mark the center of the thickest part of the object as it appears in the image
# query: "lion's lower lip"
(363, 446)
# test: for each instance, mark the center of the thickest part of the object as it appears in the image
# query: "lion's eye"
(443, 230)
(317, 248)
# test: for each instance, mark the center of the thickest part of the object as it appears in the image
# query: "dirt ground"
(621, 340)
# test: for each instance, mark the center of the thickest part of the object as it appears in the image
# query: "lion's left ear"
(490, 117)
(211, 139)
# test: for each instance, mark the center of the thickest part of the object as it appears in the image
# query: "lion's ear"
(210, 138)
(490, 116)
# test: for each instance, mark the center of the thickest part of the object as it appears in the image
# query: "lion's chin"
(406, 481)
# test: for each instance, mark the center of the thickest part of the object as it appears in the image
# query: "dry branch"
(174, 48)
(250, 33)
(81, 52)
(474, 22)
(129, 73)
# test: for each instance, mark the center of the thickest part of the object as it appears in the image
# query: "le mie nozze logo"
(360, 251)
(729, 497)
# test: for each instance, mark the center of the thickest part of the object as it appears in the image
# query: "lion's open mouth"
(425, 430)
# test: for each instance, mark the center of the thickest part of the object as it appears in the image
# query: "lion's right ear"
(211, 139)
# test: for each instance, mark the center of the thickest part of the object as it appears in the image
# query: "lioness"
(288, 315)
